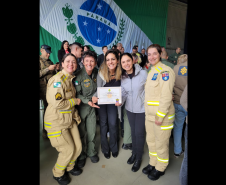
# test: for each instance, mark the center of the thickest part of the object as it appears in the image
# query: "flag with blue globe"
(91, 22)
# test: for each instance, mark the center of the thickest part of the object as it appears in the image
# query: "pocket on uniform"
(60, 140)
(65, 117)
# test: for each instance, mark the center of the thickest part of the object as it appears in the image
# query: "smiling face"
(127, 64)
(69, 64)
(66, 45)
(89, 63)
(153, 56)
(111, 61)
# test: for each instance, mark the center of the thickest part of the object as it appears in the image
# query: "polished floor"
(113, 171)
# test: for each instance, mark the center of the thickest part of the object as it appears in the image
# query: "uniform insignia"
(56, 84)
(183, 71)
(94, 79)
(165, 76)
(76, 82)
(58, 96)
(154, 76)
(164, 72)
(87, 83)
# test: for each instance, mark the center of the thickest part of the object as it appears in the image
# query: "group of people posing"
(70, 117)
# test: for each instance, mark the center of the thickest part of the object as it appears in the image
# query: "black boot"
(94, 158)
(107, 155)
(127, 146)
(81, 163)
(75, 171)
(155, 174)
(63, 180)
(148, 169)
(136, 165)
(114, 154)
(122, 132)
(131, 159)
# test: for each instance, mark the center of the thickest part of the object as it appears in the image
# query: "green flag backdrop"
(149, 15)
(102, 22)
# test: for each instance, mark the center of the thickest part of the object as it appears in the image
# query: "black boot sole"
(155, 179)
(62, 183)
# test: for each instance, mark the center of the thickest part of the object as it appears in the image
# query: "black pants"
(108, 119)
(137, 124)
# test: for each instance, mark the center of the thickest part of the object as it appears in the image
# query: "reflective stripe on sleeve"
(155, 103)
(159, 69)
(65, 111)
(171, 116)
(72, 102)
(161, 114)
(54, 134)
(48, 125)
(163, 160)
(60, 167)
(153, 153)
(167, 127)
(72, 161)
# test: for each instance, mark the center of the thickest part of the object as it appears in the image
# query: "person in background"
(144, 58)
(64, 49)
(184, 166)
(159, 112)
(173, 57)
(119, 47)
(76, 49)
(100, 58)
(109, 75)
(163, 48)
(135, 58)
(86, 85)
(62, 120)
(114, 47)
(133, 81)
(70, 46)
(134, 50)
(122, 51)
(181, 71)
(46, 70)
(164, 57)
(146, 66)
(86, 48)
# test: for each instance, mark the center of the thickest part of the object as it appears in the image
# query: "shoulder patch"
(154, 76)
(56, 84)
(165, 75)
(183, 71)
(58, 96)
(76, 82)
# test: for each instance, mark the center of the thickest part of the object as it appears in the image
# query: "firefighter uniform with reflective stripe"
(86, 86)
(159, 106)
(61, 121)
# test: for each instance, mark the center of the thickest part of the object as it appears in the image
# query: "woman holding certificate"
(109, 75)
(132, 83)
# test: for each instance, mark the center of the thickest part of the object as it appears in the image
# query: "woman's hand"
(94, 99)
(91, 104)
(117, 104)
(158, 122)
(78, 101)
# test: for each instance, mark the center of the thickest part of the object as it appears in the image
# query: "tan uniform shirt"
(181, 72)
(184, 100)
(158, 93)
(61, 98)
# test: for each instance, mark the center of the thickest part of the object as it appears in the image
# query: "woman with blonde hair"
(182, 59)
(109, 75)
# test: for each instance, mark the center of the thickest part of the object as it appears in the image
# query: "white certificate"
(109, 95)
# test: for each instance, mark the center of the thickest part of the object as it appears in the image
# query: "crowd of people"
(154, 102)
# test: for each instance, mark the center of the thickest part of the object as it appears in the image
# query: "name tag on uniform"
(155, 76)
(56, 84)
(183, 71)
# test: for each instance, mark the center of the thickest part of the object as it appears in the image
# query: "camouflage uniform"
(44, 75)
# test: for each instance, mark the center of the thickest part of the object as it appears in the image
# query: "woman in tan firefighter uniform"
(61, 120)
(159, 111)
